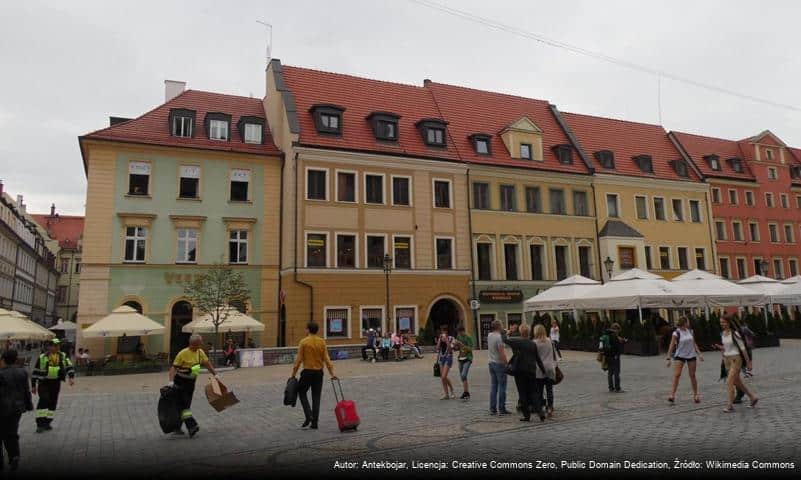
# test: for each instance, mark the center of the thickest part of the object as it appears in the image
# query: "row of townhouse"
(28, 274)
(368, 204)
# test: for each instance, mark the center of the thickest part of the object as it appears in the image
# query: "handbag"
(291, 392)
(437, 372)
(511, 366)
(558, 375)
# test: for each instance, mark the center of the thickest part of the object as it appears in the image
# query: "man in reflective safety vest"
(183, 374)
(52, 368)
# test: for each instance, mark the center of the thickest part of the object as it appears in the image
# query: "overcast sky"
(67, 66)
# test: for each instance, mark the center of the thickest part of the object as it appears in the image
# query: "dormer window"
(713, 161)
(481, 143)
(433, 131)
(525, 151)
(606, 158)
(218, 126)
(251, 129)
(385, 125)
(327, 118)
(736, 164)
(680, 167)
(645, 163)
(564, 153)
(182, 122)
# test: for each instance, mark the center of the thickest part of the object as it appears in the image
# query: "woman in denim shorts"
(445, 360)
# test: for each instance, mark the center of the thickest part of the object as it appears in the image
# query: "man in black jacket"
(15, 399)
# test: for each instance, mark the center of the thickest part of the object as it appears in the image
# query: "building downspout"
(295, 236)
(472, 261)
(281, 340)
(597, 231)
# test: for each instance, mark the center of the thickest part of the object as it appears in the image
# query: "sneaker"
(193, 430)
(728, 410)
(465, 396)
(444, 397)
(453, 395)
(620, 390)
(504, 413)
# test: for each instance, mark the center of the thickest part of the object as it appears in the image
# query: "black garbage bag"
(169, 411)
(291, 392)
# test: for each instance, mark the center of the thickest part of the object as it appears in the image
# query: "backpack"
(605, 345)
(748, 337)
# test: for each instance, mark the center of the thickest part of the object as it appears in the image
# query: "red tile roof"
(626, 140)
(67, 229)
(360, 97)
(697, 146)
(153, 127)
(470, 111)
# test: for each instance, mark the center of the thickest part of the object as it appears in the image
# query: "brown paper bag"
(219, 396)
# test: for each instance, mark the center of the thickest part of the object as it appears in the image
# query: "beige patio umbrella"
(123, 321)
(236, 322)
(15, 326)
(66, 326)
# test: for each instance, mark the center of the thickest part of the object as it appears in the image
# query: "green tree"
(212, 293)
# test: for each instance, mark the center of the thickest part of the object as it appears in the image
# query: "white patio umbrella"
(123, 321)
(636, 288)
(764, 285)
(562, 295)
(789, 294)
(15, 326)
(66, 326)
(795, 279)
(235, 322)
(716, 291)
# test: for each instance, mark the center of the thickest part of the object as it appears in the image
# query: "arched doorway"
(443, 312)
(181, 315)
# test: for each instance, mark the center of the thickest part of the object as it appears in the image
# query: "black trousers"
(526, 390)
(311, 379)
(9, 436)
(186, 389)
(48, 401)
(613, 374)
(547, 385)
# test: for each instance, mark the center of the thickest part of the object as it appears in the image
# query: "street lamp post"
(609, 265)
(387, 270)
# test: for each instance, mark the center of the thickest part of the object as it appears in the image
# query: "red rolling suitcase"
(345, 411)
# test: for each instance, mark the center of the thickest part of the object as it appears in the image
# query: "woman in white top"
(554, 336)
(684, 349)
(734, 353)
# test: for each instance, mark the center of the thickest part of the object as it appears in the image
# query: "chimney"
(53, 210)
(426, 82)
(173, 88)
(20, 205)
(1, 187)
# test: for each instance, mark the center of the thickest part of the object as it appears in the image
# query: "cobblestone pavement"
(404, 420)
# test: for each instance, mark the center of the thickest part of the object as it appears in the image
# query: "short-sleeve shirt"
(186, 358)
(685, 344)
(494, 340)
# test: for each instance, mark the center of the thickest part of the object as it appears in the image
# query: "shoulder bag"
(558, 376)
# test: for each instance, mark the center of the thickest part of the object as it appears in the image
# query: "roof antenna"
(268, 48)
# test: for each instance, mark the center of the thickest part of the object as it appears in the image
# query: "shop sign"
(500, 296)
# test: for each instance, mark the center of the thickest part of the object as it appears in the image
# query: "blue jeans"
(497, 387)
(464, 369)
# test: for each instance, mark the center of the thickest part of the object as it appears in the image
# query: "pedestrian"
(230, 352)
(497, 369)
(410, 342)
(465, 344)
(15, 399)
(524, 368)
(748, 336)
(545, 378)
(735, 356)
(52, 368)
(183, 375)
(612, 347)
(554, 336)
(313, 355)
(684, 351)
(444, 348)
(371, 335)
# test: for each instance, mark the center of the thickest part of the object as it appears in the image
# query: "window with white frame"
(733, 198)
(695, 211)
(773, 229)
(337, 320)
(742, 271)
(700, 259)
(537, 257)
(484, 260)
(659, 208)
(788, 234)
(346, 186)
(372, 318)
(376, 249)
(138, 178)
(737, 231)
(444, 253)
(401, 191)
(716, 195)
(720, 230)
(218, 130)
(724, 268)
(510, 256)
(238, 246)
(187, 245)
(373, 188)
(406, 319)
(749, 198)
(442, 193)
(182, 125)
(508, 203)
(641, 205)
(189, 182)
(346, 250)
(253, 133)
(682, 255)
(793, 263)
(753, 230)
(240, 185)
(402, 246)
(612, 205)
(316, 184)
(785, 201)
(678, 210)
(773, 173)
(769, 199)
(778, 268)
(135, 244)
(316, 250)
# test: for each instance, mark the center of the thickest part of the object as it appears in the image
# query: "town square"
(410, 238)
